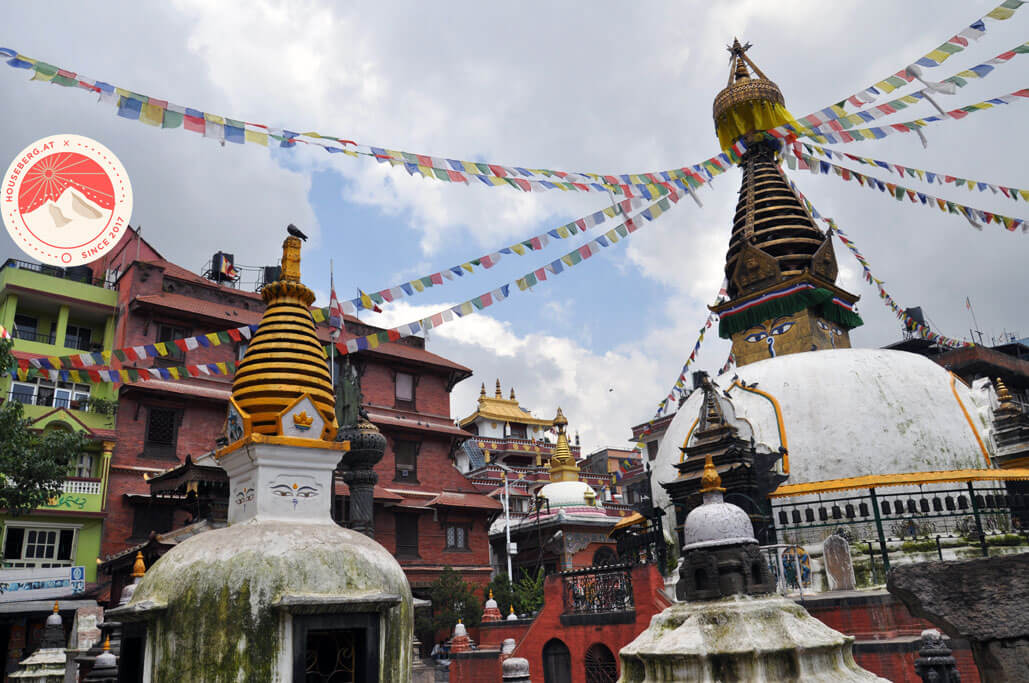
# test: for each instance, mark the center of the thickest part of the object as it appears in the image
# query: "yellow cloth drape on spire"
(746, 117)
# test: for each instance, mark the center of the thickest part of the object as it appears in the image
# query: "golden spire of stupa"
(562, 463)
(499, 393)
(138, 567)
(284, 359)
(710, 481)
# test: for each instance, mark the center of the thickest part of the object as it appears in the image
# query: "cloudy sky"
(600, 86)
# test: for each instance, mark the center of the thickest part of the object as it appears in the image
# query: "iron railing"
(597, 590)
(77, 274)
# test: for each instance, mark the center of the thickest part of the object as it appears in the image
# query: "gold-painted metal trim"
(968, 418)
(682, 453)
(904, 479)
(778, 419)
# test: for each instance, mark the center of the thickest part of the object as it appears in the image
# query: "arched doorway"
(557, 662)
(600, 665)
(604, 556)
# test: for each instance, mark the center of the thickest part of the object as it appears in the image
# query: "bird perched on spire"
(295, 231)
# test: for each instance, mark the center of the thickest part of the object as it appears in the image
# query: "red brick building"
(427, 513)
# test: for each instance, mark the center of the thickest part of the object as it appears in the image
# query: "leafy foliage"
(451, 598)
(528, 592)
(33, 465)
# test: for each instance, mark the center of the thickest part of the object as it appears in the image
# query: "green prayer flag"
(172, 119)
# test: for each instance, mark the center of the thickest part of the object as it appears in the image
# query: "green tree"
(452, 598)
(528, 592)
(33, 465)
(503, 593)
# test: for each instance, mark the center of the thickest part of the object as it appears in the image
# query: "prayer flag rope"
(951, 46)
(95, 375)
(527, 281)
(129, 354)
(921, 328)
(925, 176)
(838, 120)
(163, 114)
(973, 215)
(789, 132)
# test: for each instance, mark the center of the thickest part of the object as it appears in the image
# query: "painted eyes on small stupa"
(306, 492)
(760, 335)
(756, 336)
(782, 328)
(282, 490)
(829, 328)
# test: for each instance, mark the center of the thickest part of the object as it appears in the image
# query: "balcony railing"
(48, 401)
(82, 485)
(33, 336)
(78, 274)
(598, 590)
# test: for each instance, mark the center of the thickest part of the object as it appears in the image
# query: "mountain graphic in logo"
(65, 196)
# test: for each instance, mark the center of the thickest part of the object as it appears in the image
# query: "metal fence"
(597, 590)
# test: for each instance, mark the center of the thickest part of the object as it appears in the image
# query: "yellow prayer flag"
(467, 308)
(563, 231)
(318, 314)
(162, 350)
(174, 372)
(40, 76)
(568, 260)
(75, 376)
(123, 92)
(214, 118)
(1025, 194)
(468, 267)
(522, 284)
(417, 284)
(518, 249)
(609, 212)
(1000, 13)
(257, 137)
(469, 167)
(151, 114)
(213, 338)
(106, 355)
(612, 235)
(222, 367)
(373, 341)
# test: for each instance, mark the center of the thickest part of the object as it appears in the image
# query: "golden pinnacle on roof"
(560, 421)
(482, 392)
(138, 567)
(499, 393)
(284, 359)
(710, 481)
(490, 593)
(512, 394)
(747, 104)
(107, 643)
(1005, 405)
(57, 607)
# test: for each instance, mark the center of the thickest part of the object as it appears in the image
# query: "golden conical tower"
(562, 463)
(284, 360)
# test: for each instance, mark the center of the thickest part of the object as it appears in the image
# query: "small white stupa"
(733, 628)
(283, 593)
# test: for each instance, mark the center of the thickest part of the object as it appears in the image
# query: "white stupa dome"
(843, 413)
(569, 494)
(716, 523)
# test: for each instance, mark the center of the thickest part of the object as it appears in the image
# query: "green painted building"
(59, 312)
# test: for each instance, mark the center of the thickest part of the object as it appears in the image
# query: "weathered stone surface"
(985, 601)
(738, 639)
(838, 566)
(516, 670)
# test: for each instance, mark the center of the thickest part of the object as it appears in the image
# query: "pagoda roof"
(503, 410)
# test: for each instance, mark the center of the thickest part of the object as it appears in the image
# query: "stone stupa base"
(740, 638)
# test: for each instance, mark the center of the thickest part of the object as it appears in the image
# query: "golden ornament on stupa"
(747, 103)
(710, 481)
(284, 359)
(139, 566)
(562, 463)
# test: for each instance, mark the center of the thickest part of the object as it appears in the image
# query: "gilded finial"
(57, 607)
(482, 392)
(512, 394)
(1003, 394)
(710, 481)
(490, 593)
(512, 609)
(499, 394)
(138, 567)
(560, 421)
(107, 643)
(290, 260)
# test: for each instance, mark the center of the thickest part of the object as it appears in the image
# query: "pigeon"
(295, 231)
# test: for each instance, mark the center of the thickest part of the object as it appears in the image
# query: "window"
(166, 333)
(457, 537)
(404, 390)
(150, 517)
(407, 534)
(23, 393)
(652, 450)
(405, 453)
(83, 466)
(26, 327)
(68, 395)
(78, 337)
(26, 547)
(161, 430)
(517, 431)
